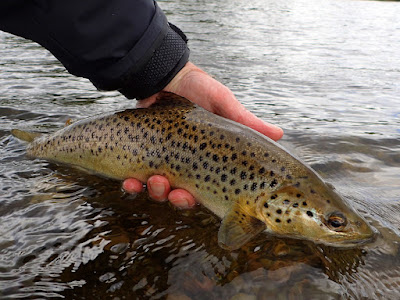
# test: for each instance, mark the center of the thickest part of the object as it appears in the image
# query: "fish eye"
(337, 221)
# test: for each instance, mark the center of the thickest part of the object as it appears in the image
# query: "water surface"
(327, 72)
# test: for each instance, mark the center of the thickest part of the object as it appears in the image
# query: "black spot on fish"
(226, 197)
(224, 190)
(195, 166)
(262, 185)
(244, 163)
(283, 169)
(304, 203)
(225, 158)
(205, 165)
(254, 186)
(217, 170)
(286, 201)
(245, 187)
(244, 152)
(297, 184)
(221, 137)
(237, 140)
(243, 175)
(233, 171)
(224, 177)
(232, 182)
(312, 191)
(237, 191)
(198, 176)
(266, 205)
(207, 178)
(277, 220)
(289, 221)
(271, 173)
(266, 154)
(295, 205)
(328, 201)
(215, 158)
(309, 213)
(298, 195)
(261, 171)
(279, 211)
(273, 183)
(234, 156)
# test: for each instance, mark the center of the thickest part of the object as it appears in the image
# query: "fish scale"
(229, 168)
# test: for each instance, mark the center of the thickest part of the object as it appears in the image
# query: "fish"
(248, 180)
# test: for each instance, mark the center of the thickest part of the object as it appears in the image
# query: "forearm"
(124, 45)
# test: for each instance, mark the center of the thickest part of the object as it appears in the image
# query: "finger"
(181, 199)
(158, 187)
(144, 103)
(249, 119)
(132, 186)
(200, 88)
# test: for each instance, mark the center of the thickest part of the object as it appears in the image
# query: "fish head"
(313, 212)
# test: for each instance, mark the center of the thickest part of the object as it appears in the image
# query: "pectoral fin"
(237, 228)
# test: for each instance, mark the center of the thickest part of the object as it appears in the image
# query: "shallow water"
(328, 72)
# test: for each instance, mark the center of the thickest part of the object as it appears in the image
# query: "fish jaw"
(320, 216)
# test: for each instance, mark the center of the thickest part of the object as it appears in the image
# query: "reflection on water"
(327, 72)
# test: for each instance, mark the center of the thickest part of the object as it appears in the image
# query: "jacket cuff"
(167, 60)
(152, 63)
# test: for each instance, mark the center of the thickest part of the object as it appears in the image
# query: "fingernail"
(182, 204)
(158, 189)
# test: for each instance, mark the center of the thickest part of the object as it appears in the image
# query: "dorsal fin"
(25, 135)
(170, 99)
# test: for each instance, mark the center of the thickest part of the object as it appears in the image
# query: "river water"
(327, 72)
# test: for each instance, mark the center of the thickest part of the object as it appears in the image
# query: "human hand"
(200, 88)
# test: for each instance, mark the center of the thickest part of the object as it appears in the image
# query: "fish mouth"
(361, 240)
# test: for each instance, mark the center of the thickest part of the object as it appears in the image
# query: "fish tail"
(25, 135)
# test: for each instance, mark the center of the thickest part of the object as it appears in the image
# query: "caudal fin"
(25, 135)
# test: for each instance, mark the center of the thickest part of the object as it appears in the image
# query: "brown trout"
(245, 178)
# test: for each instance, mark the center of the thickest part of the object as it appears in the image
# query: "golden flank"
(245, 178)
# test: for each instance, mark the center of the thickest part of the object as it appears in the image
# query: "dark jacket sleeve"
(124, 45)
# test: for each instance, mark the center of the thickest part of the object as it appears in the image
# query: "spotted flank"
(245, 178)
